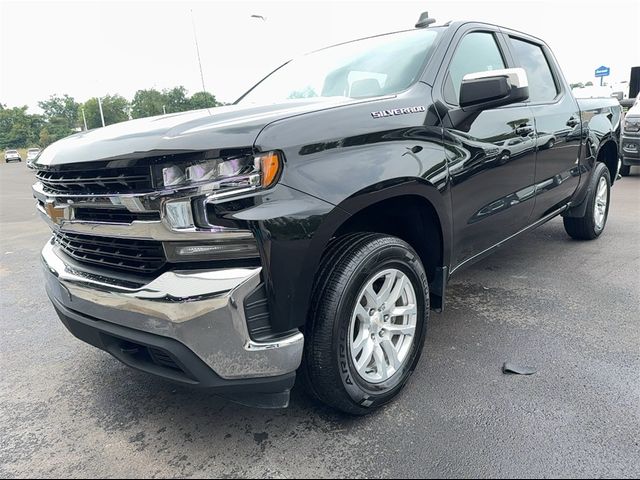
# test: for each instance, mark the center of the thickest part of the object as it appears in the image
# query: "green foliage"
(202, 100)
(576, 85)
(62, 115)
(177, 100)
(114, 107)
(308, 92)
(62, 108)
(18, 129)
(147, 103)
(588, 84)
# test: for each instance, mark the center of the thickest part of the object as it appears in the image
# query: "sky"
(97, 47)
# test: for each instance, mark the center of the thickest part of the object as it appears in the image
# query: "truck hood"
(233, 126)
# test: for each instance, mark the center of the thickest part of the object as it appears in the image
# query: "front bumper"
(187, 326)
(630, 149)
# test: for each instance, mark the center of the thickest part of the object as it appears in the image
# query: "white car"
(32, 154)
(12, 156)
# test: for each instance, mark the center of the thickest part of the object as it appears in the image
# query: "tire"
(591, 225)
(625, 170)
(329, 367)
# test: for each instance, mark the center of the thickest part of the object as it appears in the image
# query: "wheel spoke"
(370, 295)
(403, 310)
(602, 190)
(381, 363)
(361, 341)
(362, 312)
(365, 358)
(391, 352)
(400, 329)
(396, 292)
(389, 280)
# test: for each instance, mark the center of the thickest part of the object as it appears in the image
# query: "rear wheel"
(592, 223)
(367, 327)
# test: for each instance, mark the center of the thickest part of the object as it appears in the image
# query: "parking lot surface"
(571, 309)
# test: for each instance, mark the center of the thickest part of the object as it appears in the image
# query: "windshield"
(371, 67)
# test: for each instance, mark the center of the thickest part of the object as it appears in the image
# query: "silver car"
(32, 154)
(12, 156)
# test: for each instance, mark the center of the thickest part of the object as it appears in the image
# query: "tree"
(114, 107)
(588, 84)
(61, 116)
(176, 99)
(307, 92)
(147, 103)
(64, 108)
(202, 100)
(18, 129)
(576, 85)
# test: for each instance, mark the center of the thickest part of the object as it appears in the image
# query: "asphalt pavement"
(570, 309)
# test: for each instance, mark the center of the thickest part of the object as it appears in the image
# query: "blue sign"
(603, 71)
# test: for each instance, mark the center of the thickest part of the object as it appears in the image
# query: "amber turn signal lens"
(270, 168)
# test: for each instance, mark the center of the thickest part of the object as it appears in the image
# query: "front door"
(491, 158)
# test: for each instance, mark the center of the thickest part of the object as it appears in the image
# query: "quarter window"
(476, 52)
(531, 57)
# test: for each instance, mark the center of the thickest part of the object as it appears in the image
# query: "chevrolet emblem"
(56, 214)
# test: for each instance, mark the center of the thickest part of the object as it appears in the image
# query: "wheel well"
(411, 218)
(608, 155)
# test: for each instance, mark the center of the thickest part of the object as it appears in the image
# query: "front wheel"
(367, 326)
(592, 223)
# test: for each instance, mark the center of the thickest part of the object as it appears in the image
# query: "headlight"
(261, 170)
(632, 124)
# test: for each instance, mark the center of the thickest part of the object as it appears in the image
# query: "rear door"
(491, 159)
(557, 117)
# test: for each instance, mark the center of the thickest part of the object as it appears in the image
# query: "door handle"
(524, 130)
(572, 122)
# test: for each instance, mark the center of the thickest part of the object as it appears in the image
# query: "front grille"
(112, 180)
(108, 215)
(139, 256)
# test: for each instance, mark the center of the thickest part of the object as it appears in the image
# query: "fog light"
(231, 250)
(237, 248)
(199, 249)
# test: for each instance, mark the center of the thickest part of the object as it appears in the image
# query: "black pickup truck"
(310, 228)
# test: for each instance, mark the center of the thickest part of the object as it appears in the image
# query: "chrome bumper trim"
(143, 230)
(201, 309)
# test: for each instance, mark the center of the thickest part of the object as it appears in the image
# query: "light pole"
(84, 119)
(101, 112)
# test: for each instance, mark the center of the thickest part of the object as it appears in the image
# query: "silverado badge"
(397, 111)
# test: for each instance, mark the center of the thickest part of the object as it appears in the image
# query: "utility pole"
(84, 119)
(164, 110)
(101, 113)
(195, 37)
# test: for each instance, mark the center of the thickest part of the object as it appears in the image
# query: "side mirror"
(493, 88)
